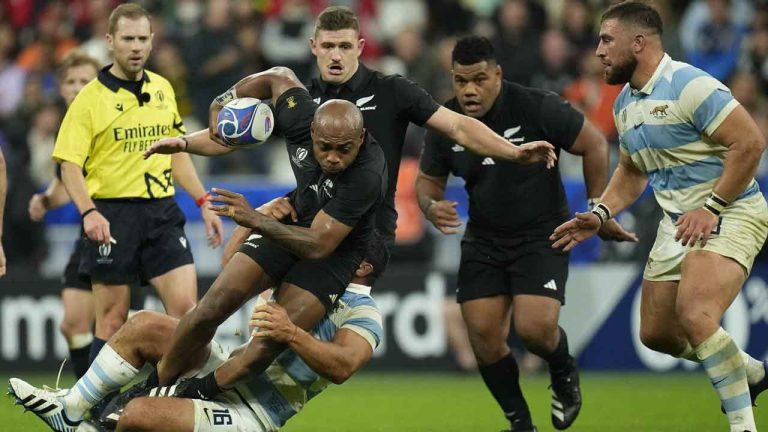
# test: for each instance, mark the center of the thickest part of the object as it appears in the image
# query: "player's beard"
(621, 73)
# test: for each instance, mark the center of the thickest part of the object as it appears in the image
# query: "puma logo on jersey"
(660, 111)
(488, 161)
(364, 100)
(510, 133)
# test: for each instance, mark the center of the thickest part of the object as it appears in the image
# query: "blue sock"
(96, 346)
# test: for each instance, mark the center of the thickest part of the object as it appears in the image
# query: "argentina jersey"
(288, 383)
(665, 128)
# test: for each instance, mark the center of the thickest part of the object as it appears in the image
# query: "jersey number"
(220, 416)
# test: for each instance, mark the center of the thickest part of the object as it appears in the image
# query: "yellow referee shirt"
(108, 127)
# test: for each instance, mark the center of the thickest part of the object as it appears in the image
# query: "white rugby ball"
(245, 122)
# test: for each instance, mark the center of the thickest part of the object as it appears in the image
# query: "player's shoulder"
(358, 297)
(681, 75)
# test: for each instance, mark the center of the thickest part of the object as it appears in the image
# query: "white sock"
(80, 340)
(107, 373)
(755, 369)
(725, 366)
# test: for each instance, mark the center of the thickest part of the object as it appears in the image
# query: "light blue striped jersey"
(665, 129)
(288, 383)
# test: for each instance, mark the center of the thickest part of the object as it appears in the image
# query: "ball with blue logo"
(245, 122)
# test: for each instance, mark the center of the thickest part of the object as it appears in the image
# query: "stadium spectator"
(284, 38)
(517, 41)
(702, 174)
(508, 267)
(555, 74)
(718, 42)
(591, 95)
(12, 77)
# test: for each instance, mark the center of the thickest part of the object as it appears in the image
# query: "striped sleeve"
(366, 322)
(706, 103)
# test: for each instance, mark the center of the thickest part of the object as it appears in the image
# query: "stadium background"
(202, 47)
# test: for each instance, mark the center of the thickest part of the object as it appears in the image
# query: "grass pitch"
(424, 402)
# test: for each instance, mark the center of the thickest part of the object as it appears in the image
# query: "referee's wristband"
(200, 201)
(87, 212)
(602, 212)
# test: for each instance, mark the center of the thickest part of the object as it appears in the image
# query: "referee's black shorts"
(326, 278)
(150, 241)
(511, 266)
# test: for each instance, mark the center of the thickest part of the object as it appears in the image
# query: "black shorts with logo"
(511, 266)
(326, 278)
(150, 241)
(72, 278)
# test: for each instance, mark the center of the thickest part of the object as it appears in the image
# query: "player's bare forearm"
(625, 187)
(72, 177)
(745, 144)
(591, 145)
(472, 134)
(56, 195)
(428, 190)
(334, 361)
(269, 84)
(306, 243)
(200, 143)
(185, 175)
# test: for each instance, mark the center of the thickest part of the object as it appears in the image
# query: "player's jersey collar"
(354, 84)
(359, 289)
(651, 84)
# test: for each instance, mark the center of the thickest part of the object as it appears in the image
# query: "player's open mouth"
(335, 69)
(472, 106)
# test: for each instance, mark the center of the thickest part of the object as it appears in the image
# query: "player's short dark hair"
(376, 254)
(127, 10)
(472, 49)
(637, 13)
(76, 58)
(337, 18)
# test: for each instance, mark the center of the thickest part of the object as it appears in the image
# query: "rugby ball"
(245, 122)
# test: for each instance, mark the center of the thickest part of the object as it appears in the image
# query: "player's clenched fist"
(443, 216)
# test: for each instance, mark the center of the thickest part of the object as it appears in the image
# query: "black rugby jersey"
(353, 196)
(507, 198)
(388, 104)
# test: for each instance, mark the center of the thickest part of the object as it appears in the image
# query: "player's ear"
(312, 130)
(498, 71)
(313, 46)
(364, 269)
(638, 44)
(361, 44)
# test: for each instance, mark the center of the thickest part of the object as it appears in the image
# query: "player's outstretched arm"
(624, 188)
(474, 135)
(184, 174)
(267, 85)
(336, 360)
(430, 191)
(316, 242)
(199, 143)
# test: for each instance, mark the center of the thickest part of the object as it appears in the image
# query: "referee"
(132, 225)
(388, 104)
(507, 263)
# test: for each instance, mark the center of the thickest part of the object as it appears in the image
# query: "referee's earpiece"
(145, 97)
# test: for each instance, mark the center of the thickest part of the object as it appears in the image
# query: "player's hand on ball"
(537, 151)
(575, 231)
(235, 207)
(166, 146)
(213, 122)
(443, 216)
(271, 321)
(279, 209)
(37, 208)
(613, 231)
(696, 225)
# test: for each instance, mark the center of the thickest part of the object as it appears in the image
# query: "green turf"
(419, 402)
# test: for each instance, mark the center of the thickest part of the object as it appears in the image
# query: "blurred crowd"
(204, 46)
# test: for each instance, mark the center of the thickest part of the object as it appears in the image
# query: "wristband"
(87, 212)
(200, 201)
(186, 142)
(603, 212)
(592, 202)
(226, 97)
(712, 210)
(715, 204)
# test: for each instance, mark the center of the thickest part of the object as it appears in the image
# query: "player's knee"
(655, 339)
(70, 327)
(110, 324)
(134, 417)
(693, 317)
(146, 323)
(489, 346)
(539, 338)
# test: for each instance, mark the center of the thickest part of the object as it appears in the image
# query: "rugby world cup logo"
(104, 251)
(298, 157)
